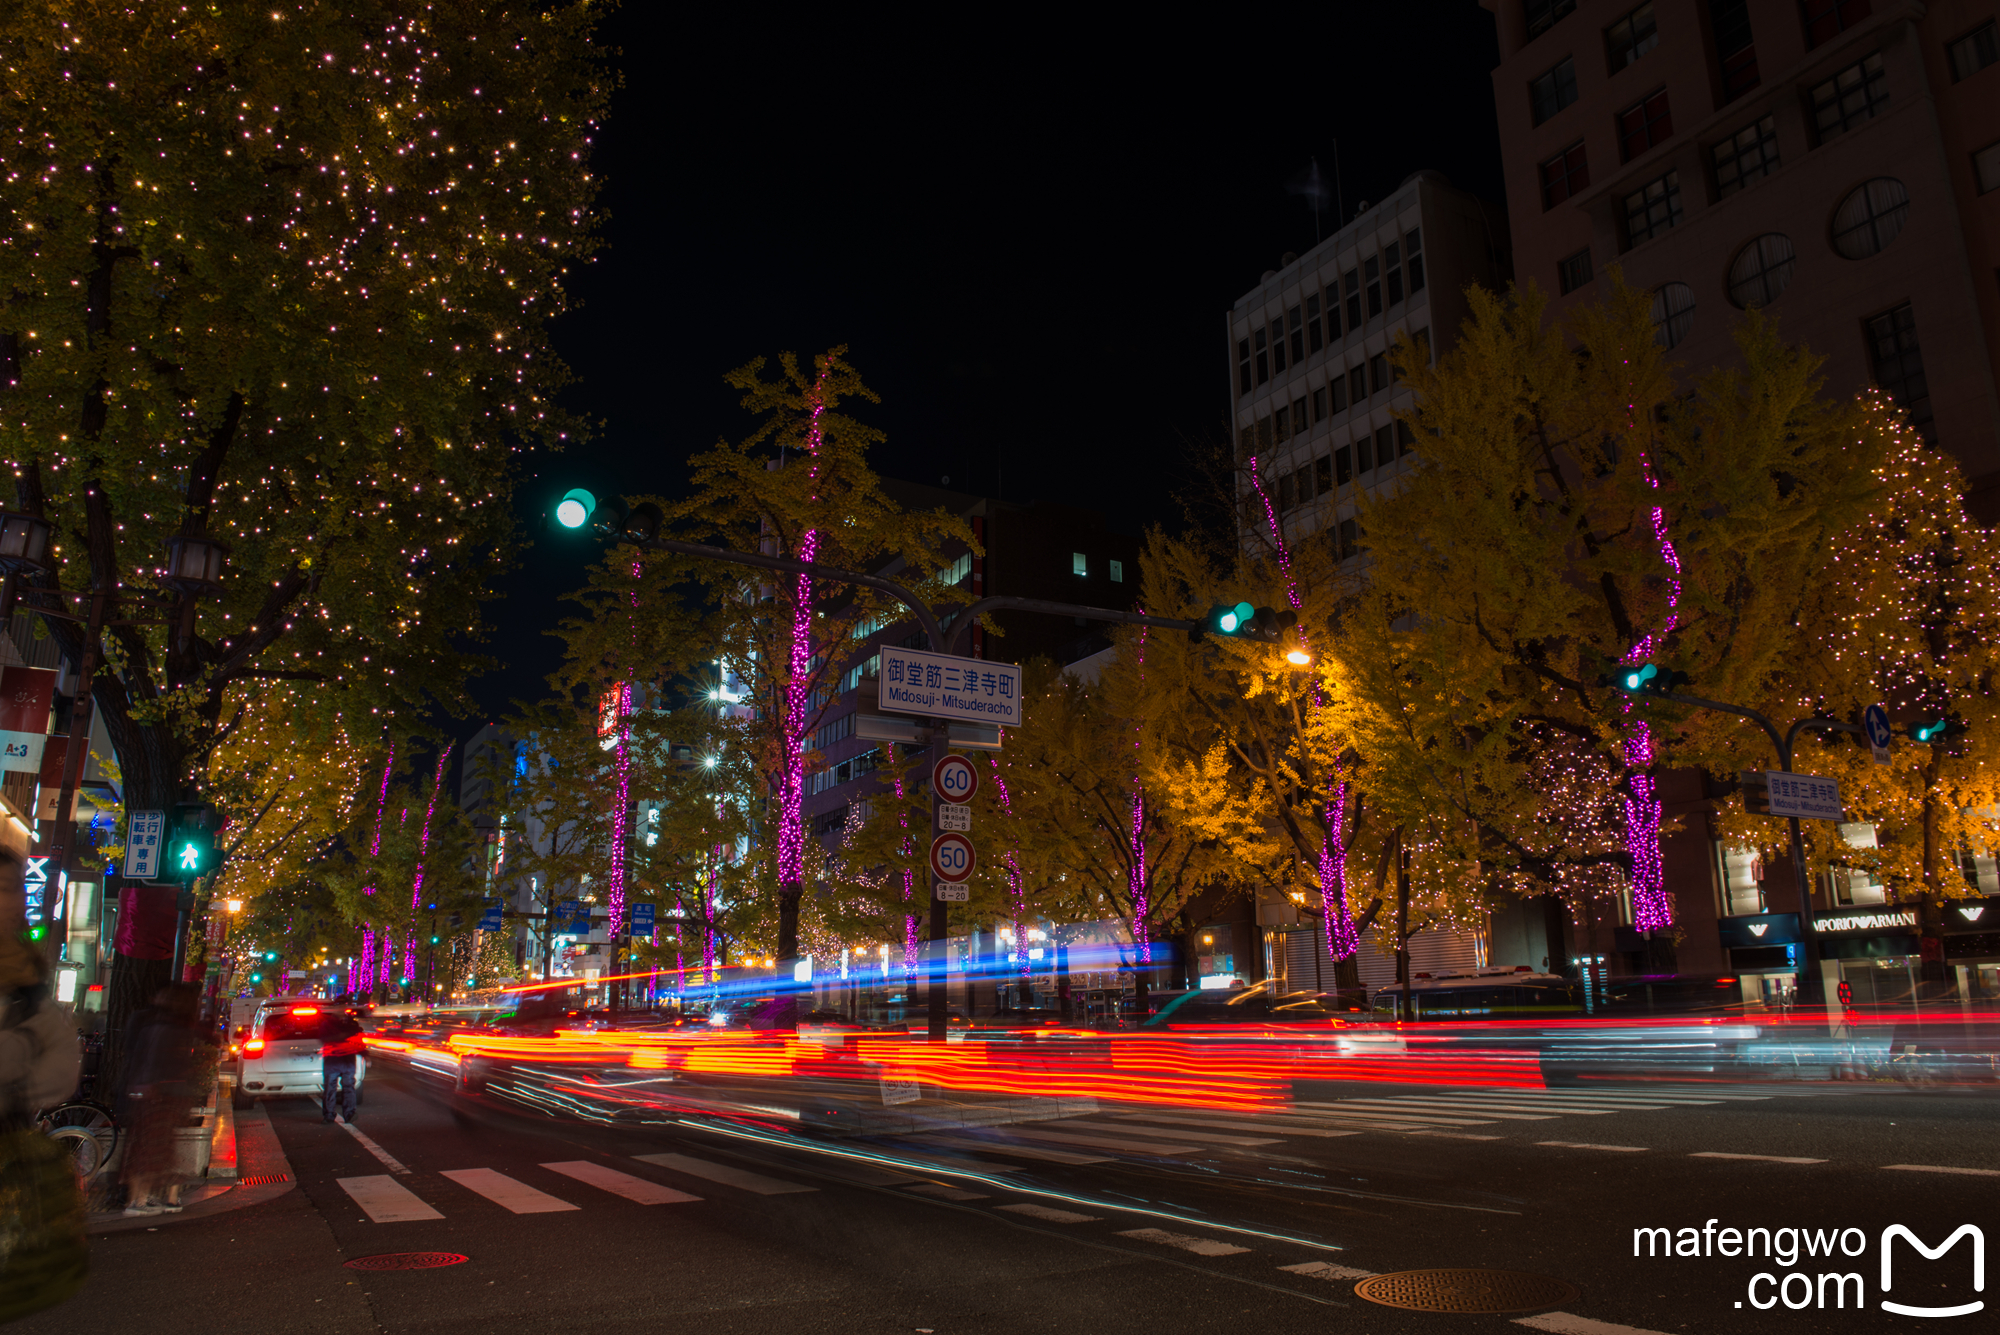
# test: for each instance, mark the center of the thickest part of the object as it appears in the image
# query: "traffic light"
(1244, 622)
(190, 842)
(1644, 679)
(1937, 730)
(256, 977)
(38, 931)
(435, 940)
(575, 509)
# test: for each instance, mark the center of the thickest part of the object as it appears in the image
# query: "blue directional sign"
(642, 920)
(574, 918)
(1875, 723)
(491, 920)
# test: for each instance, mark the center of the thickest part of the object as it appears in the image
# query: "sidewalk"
(247, 1166)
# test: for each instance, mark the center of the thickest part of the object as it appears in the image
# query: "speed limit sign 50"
(951, 857)
(954, 779)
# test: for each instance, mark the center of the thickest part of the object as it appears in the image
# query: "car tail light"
(305, 1010)
(254, 1046)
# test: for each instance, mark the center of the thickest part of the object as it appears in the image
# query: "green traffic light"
(37, 932)
(256, 977)
(575, 508)
(1928, 732)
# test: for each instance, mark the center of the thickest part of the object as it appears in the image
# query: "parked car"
(281, 1053)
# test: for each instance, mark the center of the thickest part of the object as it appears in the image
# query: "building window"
(1350, 538)
(1284, 493)
(1323, 474)
(1406, 439)
(1319, 405)
(1673, 314)
(1371, 269)
(1357, 385)
(1631, 37)
(1899, 363)
(1336, 392)
(1829, 18)
(1653, 209)
(1343, 466)
(1079, 564)
(1644, 124)
(1282, 418)
(1385, 445)
(1392, 261)
(1299, 416)
(1313, 343)
(1986, 167)
(1298, 335)
(1242, 367)
(1351, 282)
(1564, 175)
(1849, 97)
(1263, 359)
(1574, 272)
(1413, 246)
(1974, 51)
(1543, 14)
(1364, 453)
(1749, 155)
(1277, 346)
(1333, 312)
(1736, 57)
(1553, 91)
(1117, 572)
(1869, 219)
(1761, 271)
(1246, 441)
(1378, 373)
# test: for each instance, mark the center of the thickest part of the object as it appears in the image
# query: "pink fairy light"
(620, 810)
(791, 795)
(1652, 906)
(1341, 938)
(424, 842)
(367, 964)
(1135, 886)
(375, 851)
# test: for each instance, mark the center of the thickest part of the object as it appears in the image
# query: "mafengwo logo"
(1820, 1283)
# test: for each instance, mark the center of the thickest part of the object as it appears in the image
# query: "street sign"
(954, 779)
(882, 728)
(966, 690)
(952, 857)
(642, 919)
(574, 917)
(952, 816)
(35, 884)
(142, 844)
(1805, 796)
(1875, 724)
(490, 921)
(954, 894)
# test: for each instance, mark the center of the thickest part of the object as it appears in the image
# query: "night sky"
(1027, 237)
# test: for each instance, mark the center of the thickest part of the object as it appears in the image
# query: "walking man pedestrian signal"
(191, 841)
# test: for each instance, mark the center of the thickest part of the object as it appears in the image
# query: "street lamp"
(233, 905)
(1298, 657)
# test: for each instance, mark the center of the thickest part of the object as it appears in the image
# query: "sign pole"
(940, 911)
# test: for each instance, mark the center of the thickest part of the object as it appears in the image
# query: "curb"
(260, 1173)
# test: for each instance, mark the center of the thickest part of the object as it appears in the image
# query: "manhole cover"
(432, 1260)
(1465, 1291)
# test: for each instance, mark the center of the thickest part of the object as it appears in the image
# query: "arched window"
(1673, 313)
(1761, 271)
(1869, 219)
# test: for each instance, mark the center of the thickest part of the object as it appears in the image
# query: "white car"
(281, 1053)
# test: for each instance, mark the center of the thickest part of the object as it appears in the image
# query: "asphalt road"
(1161, 1220)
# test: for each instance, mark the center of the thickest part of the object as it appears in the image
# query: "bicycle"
(86, 1130)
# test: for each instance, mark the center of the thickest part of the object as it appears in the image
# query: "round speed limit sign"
(954, 779)
(951, 857)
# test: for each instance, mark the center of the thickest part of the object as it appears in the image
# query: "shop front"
(1764, 951)
(1969, 941)
(1875, 951)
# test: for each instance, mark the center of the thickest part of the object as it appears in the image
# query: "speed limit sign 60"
(954, 779)
(951, 857)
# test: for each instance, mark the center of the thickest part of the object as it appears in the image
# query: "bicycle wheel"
(88, 1116)
(86, 1153)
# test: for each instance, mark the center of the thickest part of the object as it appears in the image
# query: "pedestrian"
(43, 1255)
(160, 1096)
(340, 1043)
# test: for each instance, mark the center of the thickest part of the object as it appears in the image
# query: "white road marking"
(1100, 1142)
(1135, 1128)
(1765, 1158)
(1564, 1323)
(505, 1192)
(948, 1193)
(389, 1160)
(1271, 1128)
(1053, 1215)
(1014, 1151)
(1327, 1270)
(1455, 1135)
(727, 1174)
(1940, 1168)
(643, 1190)
(1582, 1145)
(385, 1200)
(1185, 1241)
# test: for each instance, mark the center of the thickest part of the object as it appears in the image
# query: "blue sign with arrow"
(1875, 723)
(490, 921)
(642, 920)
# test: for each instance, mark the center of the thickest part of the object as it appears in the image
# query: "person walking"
(159, 1095)
(43, 1255)
(340, 1043)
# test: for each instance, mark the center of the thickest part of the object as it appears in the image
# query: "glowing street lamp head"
(1298, 658)
(575, 508)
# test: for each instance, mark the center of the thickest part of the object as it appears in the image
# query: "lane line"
(1581, 1145)
(385, 1200)
(393, 1164)
(643, 1190)
(1051, 1214)
(1566, 1323)
(1136, 1129)
(947, 1193)
(1765, 1158)
(505, 1192)
(1456, 1135)
(727, 1174)
(1101, 1142)
(1276, 1130)
(1187, 1242)
(1327, 1270)
(1013, 1151)
(1940, 1168)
